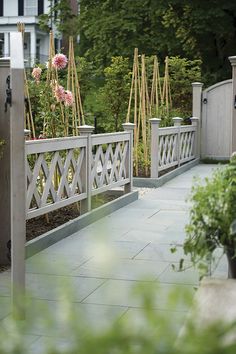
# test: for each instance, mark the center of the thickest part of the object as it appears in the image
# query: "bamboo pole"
(131, 94)
(73, 85)
(143, 110)
(29, 122)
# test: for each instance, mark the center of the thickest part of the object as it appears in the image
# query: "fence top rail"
(168, 130)
(188, 128)
(55, 144)
(175, 130)
(110, 138)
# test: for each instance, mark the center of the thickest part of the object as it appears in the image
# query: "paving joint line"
(93, 291)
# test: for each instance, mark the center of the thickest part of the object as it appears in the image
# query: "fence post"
(155, 123)
(195, 123)
(129, 127)
(197, 110)
(85, 205)
(5, 202)
(18, 204)
(233, 129)
(177, 123)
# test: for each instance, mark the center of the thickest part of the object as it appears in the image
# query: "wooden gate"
(216, 121)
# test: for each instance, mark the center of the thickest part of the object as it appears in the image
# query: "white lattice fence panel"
(167, 151)
(187, 140)
(54, 178)
(109, 165)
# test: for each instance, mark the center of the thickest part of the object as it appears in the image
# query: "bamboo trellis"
(145, 102)
(53, 81)
(166, 93)
(74, 87)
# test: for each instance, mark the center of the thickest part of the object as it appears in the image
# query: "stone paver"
(105, 262)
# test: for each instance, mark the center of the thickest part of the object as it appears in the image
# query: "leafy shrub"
(212, 214)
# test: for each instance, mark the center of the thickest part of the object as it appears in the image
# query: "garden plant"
(212, 220)
(152, 332)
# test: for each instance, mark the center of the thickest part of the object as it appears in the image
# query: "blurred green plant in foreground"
(146, 330)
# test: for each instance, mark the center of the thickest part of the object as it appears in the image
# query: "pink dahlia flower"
(36, 73)
(69, 99)
(59, 93)
(59, 61)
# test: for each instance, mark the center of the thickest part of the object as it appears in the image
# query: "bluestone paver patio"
(104, 261)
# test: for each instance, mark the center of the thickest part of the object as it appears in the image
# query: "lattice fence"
(176, 145)
(110, 162)
(64, 171)
(54, 174)
(187, 140)
(168, 148)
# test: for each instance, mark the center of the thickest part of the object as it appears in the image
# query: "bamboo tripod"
(166, 93)
(145, 102)
(74, 87)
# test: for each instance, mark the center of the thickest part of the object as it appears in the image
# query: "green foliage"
(45, 109)
(204, 30)
(143, 164)
(115, 93)
(196, 29)
(139, 331)
(120, 27)
(212, 214)
(62, 16)
(182, 73)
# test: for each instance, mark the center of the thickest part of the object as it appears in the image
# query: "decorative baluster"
(177, 123)
(129, 127)
(196, 142)
(155, 152)
(86, 130)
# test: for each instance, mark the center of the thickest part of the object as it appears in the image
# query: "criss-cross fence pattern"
(172, 146)
(110, 162)
(53, 169)
(187, 143)
(168, 154)
(63, 171)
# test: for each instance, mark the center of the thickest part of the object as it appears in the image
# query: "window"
(1, 44)
(1, 7)
(40, 7)
(20, 7)
(31, 8)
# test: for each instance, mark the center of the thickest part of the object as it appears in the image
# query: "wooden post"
(197, 110)
(85, 205)
(155, 122)
(233, 126)
(129, 127)
(195, 123)
(5, 191)
(17, 176)
(177, 123)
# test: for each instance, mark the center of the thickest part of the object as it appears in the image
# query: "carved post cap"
(155, 120)
(177, 121)
(85, 129)
(194, 120)
(197, 84)
(128, 126)
(232, 60)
